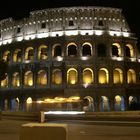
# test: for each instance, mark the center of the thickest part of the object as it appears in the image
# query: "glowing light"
(71, 32)
(118, 98)
(59, 33)
(86, 32)
(133, 59)
(47, 100)
(98, 32)
(17, 99)
(42, 35)
(28, 37)
(59, 99)
(125, 34)
(39, 101)
(27, 61)
(117, 58)
(86, 85)
(74, 98)
(59, 58)
(29, 100)
(72, 82)
(64, 112)
(62, 99)
(19, 38)
(7, 41)
(84, 58)
(113, 33)
(139, 60)
(30, 82)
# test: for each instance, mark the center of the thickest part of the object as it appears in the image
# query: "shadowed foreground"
(10, 130)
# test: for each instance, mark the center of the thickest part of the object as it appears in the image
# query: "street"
(10, 130)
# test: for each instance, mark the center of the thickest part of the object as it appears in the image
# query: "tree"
(3, 69)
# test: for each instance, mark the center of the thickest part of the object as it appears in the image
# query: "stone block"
(43, 131)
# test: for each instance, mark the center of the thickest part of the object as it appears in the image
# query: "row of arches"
(72, 51)
(87, 104)
(88, 77)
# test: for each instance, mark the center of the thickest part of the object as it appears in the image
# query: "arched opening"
(29, 53)
(15, 104)
(88, 104)
(42, 78)
(101, 50)
(72, 76)
(5, 104)
(116, 50)
(133, 103)
(4, 83)
(42, 52)
(129, 50)
(88, 76)
(29, 104)
(119, 103)
(103, 76)
(57, 77)
(104, 104)
(117, 76)
(16, 80)
(57, 50)
(6, 56)
(17, 56)
(28, 78)
(131, 76)
(72, 49)
(86, 49)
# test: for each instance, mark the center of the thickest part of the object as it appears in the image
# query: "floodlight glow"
(113, 33)
(7, 41)
(27, 61)
(117, 58)
(64, 112)
(39, 101)
(98, 32)
(125, 34)
(139, 60)
(27, 37)
(85, 85)
(59, 58)
(0, 43)
(19, 38)
(71, 32)
(133, 59)
(59, 33)
(42, 35)
(84, 58)
(85, 32)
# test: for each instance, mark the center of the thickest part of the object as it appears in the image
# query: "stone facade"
(85, 52)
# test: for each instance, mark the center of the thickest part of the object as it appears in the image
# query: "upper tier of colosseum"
(61, 21)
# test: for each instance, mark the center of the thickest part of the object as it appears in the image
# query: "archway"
(133, 103)
(29, 102)
(15, 104)
(119, 103)
(89, 105)
(104, 104)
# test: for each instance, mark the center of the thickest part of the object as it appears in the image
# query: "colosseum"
(69, 58)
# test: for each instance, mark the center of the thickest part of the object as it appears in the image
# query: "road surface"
(10, 130)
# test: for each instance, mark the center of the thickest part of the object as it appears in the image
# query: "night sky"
(21, 8)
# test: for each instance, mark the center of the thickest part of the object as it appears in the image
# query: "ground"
(10, 130)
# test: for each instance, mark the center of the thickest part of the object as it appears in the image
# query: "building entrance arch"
(88, 104)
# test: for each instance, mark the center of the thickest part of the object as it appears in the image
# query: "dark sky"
(21, 8)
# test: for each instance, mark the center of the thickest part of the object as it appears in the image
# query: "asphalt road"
(10, 130)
